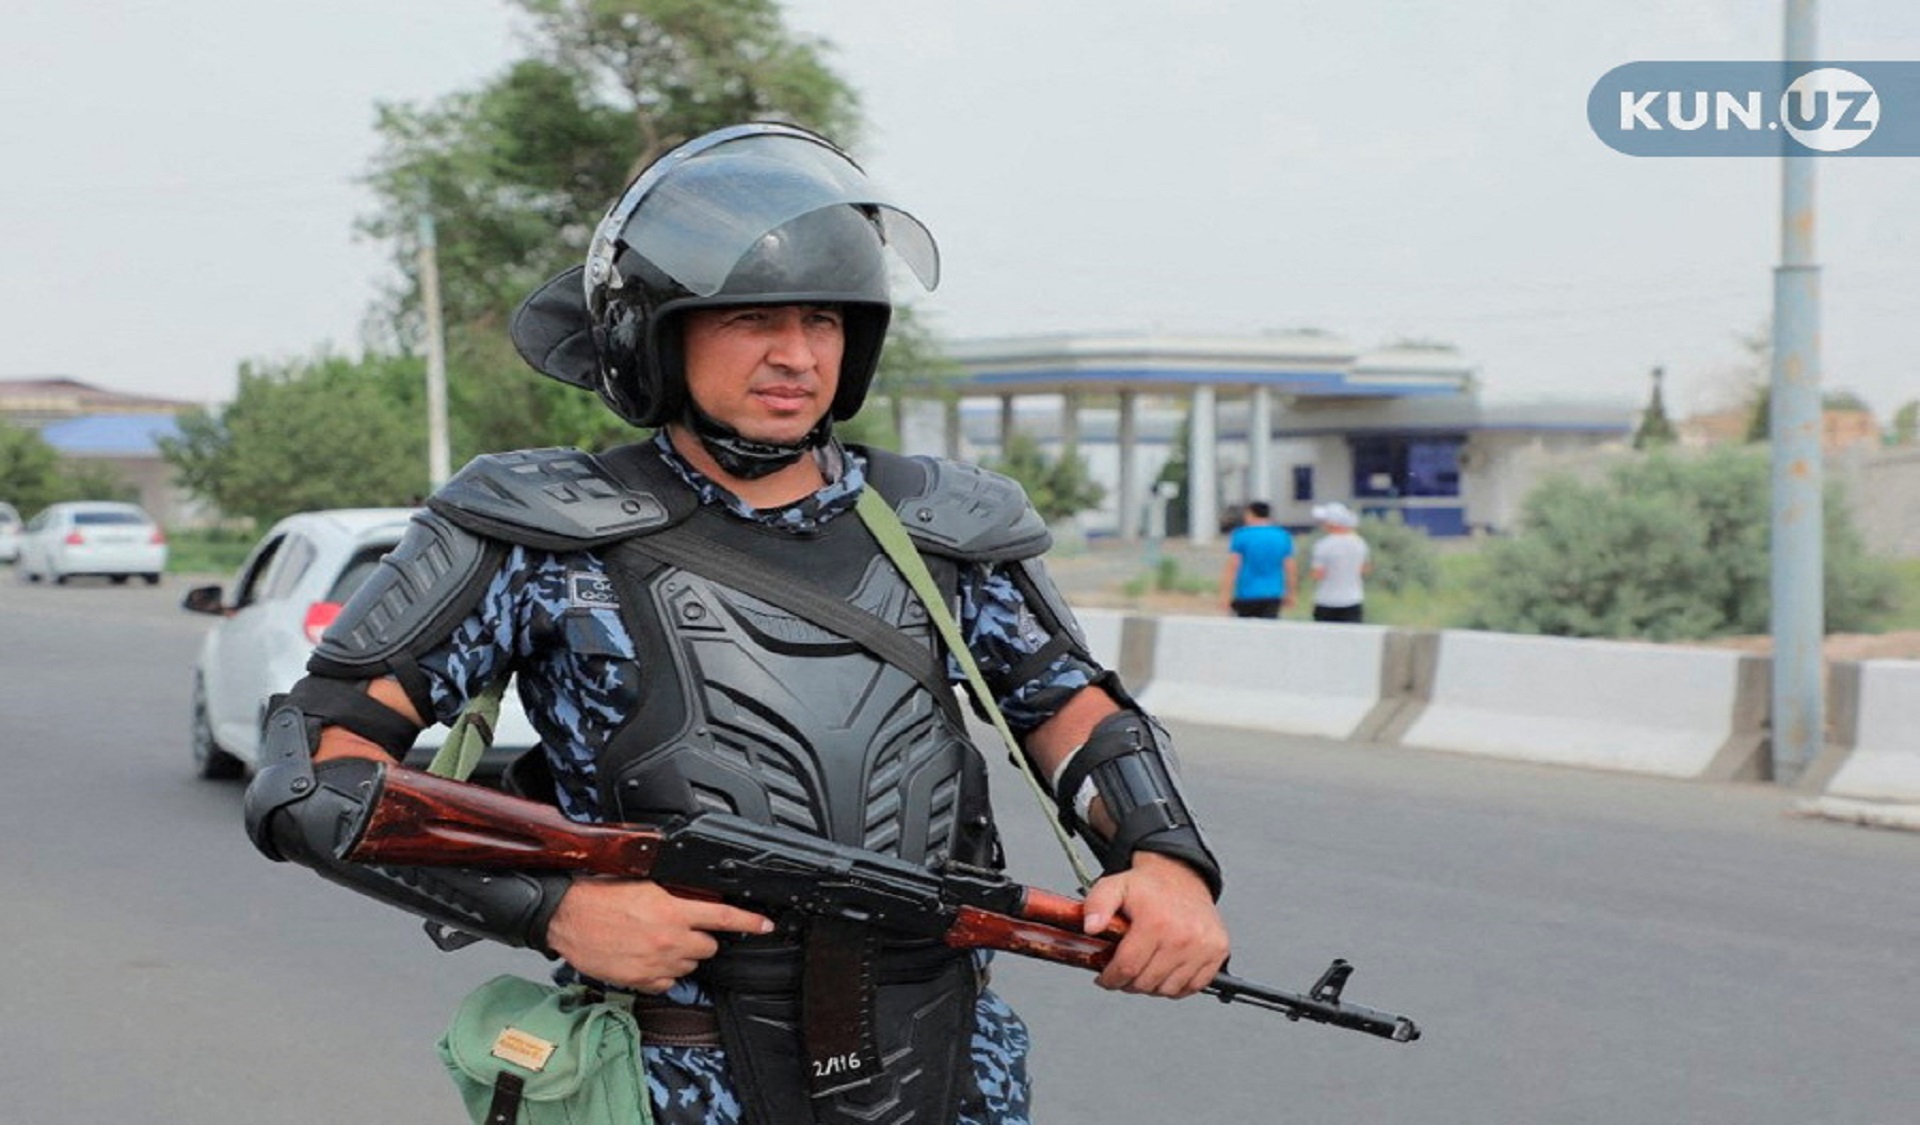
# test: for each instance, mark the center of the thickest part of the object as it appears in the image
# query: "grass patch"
(1167, 577)
(1906, 612)
(1441, 606)
(214, 550)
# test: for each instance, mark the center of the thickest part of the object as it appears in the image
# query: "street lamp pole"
(438, 458)
(1798, 580)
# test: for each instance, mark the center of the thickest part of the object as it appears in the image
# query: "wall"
(1882, 487)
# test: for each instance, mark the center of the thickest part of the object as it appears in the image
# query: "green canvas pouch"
(528, 1053)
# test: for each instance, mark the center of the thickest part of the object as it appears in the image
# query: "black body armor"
(752, 709)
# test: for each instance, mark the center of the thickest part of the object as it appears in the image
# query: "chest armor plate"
(749, 709)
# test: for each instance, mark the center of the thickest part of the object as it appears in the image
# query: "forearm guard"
(307, 814)
(1127, 762)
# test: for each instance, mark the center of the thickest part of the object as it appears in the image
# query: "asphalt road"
(1578, 947)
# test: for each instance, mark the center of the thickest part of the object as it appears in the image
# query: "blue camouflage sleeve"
(1004, 634)
(479, 647)
(532, 614)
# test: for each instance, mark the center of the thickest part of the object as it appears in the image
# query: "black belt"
(667, 1025)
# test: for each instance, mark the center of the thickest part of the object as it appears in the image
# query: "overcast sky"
(180, 179)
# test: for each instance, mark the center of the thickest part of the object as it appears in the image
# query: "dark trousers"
(1256, 607)
(1338, 612)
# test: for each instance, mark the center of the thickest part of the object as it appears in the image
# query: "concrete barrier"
(1644, 708)
(1882, 762)
(1294, 677)
(1103, 629)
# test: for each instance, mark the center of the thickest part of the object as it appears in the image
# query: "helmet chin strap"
(748, 459)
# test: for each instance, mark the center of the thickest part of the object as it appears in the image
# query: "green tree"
(1174, 472)
(1668, 548)
(1760, 416)
(912, 366)
(517, 172)
(1760, 423)
(1758, 344)
(1057, 487)
(1906, 424)
(33, 474)
(30, 476)
(322, 433)
(91, 480)
(1655, 428)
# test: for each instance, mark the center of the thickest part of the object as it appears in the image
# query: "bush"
(1403, 557)
(1057, 487)
(1667, 548)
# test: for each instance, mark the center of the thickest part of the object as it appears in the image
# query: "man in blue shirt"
(1261, 571)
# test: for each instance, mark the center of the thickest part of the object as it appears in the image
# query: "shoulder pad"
(431, 579)
(959, 510)
(554, 499)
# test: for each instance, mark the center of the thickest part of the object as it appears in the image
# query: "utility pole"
(1798, 579)
(438, 467)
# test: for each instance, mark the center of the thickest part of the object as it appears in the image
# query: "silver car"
(9, 532)
(290, 588)
(92, 537)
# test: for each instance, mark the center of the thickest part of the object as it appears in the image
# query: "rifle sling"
(679, 546)
(893, 538)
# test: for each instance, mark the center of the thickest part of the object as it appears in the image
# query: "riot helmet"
(758, 214)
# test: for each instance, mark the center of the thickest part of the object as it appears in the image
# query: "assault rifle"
(420, 819)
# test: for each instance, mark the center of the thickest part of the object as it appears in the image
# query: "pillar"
(1128, 441)
(1203, 487)
(1260, 447)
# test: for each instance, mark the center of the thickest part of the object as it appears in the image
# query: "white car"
(9, 532)
(92, 537)
(290, 588)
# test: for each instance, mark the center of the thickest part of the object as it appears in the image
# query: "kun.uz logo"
(1759, 109)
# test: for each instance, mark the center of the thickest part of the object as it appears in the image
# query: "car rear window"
(95, 519)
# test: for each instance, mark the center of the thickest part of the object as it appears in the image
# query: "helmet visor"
(703, 212)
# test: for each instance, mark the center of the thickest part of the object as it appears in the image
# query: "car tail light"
(159, 538)
(319, 616)
(75, 539)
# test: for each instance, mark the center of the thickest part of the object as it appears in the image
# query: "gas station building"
(1295, 419)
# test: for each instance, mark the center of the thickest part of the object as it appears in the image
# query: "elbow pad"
(1128, 763)
(308, 814)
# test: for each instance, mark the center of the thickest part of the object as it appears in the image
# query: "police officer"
(736, 298)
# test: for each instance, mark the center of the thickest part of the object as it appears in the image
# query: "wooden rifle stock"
(420, 819)
(423, 819)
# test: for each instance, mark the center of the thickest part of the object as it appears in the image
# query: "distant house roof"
(33, 401)
(111, 435)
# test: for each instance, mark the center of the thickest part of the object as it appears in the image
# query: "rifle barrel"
(1230, 989)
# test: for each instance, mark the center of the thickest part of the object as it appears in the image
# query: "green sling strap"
(880, 519)
(471, 733)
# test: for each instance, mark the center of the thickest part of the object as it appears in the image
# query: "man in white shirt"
(1340, 563)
